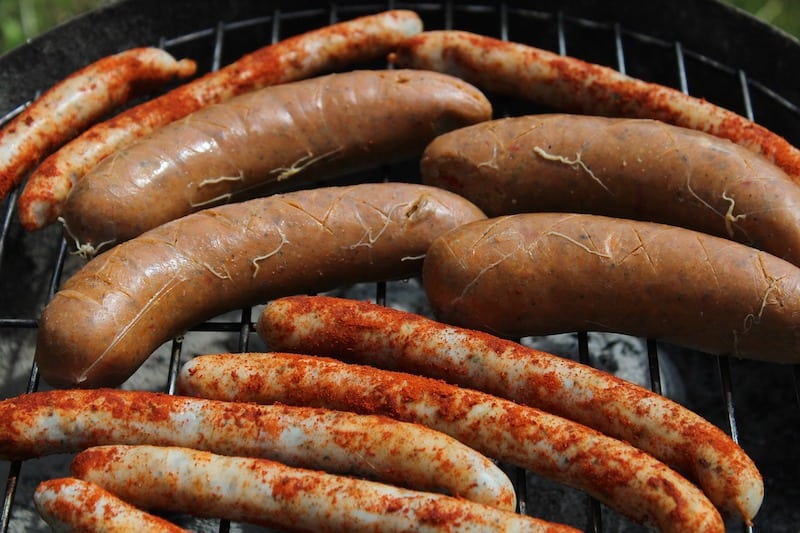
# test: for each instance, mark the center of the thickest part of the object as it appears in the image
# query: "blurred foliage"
(22, 19)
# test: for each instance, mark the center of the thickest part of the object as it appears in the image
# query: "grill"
(700, 47)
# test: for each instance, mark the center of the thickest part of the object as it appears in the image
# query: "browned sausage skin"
(630, 168)
(111, 315)
(79, 100)
(571, 85)
(297, 57)
(621, 476)
(394, 339)
(260, 142)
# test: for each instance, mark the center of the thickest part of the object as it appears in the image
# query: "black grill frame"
(754, 86)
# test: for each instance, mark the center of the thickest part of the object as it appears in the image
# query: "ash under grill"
(757, 403)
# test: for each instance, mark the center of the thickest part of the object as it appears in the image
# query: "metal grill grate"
(758, 403)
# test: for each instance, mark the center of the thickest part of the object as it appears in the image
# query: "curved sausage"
(508, 276)
(377, 447)
(268, 493)
(114, 312)
(293, 134)
(617, 474)
(571, 85)
(76, 102)
(300, 56)
(73, 505)
(393, 339)
(629, 168)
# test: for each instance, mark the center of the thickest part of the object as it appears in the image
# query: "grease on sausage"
(290, 134)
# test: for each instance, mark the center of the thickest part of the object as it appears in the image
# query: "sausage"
(66, 421)
(508, 276)
(269, 493)
(300, 56)
(73, 505)
(398, 340)
(617, 474)
(629, 168)
(568, 84)
(76, 102)
(293, 133)
(117, 309)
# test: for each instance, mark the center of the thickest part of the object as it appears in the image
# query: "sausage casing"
(629, 168)
(617, 474)
(376, 447)
(394, 339)
(260, 142)
(264, 492)
(115, 311)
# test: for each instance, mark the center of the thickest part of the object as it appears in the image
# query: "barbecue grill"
(701, 47)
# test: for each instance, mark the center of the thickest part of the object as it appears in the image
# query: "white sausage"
(73, 505)
(619, 475)
(394, 339)
(51, 422)
(271, 494)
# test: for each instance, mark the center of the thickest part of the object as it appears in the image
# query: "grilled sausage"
(268, 493)
(113, 313)
(73, 505)
(393, 339)
(297, 57)
(630, 168)
(67, 421)
(507, 276)
(571, 85)
(621, 476)
(293, 134)
(79, 100)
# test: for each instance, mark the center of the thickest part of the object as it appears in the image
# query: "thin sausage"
(269, 493)
(300, 56)
(508, 277)
(571, 85)
(377, 447)
(114, 312)
(73, 505)
(258, 143)
(617, 474)
(629, 168)
(393, 339)
(81, 99)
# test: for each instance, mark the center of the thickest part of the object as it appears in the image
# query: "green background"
(21, 19)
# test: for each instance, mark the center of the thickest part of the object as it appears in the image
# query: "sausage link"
(76, 102)
(114, 312)
(297, 57)
(268, 493)
(376, 447)
(290, 134)
(73, 505)
(571, 85)
(394, 339)
(617, 474)
(630, 168)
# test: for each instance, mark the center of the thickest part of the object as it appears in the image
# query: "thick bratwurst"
(629, 168)
(546, 273)
(113, 313)
(293, 133)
